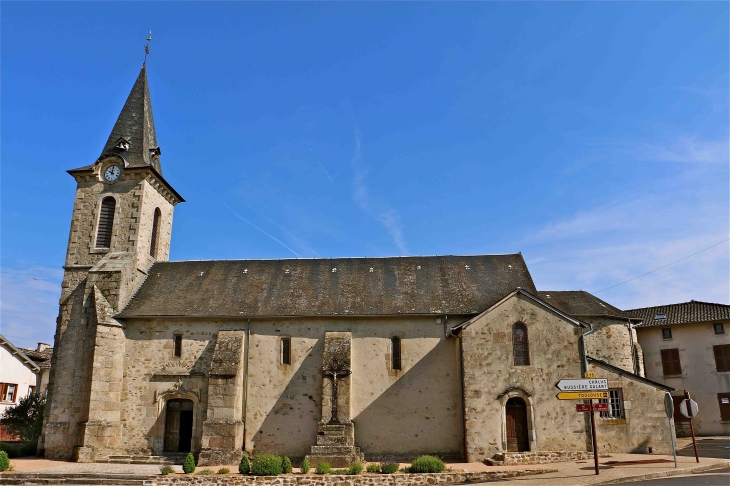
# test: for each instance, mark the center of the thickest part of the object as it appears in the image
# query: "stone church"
(331, 358)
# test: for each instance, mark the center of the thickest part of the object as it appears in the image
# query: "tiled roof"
(580, 303)
(329, 286)
(41, 358)
(685, 313)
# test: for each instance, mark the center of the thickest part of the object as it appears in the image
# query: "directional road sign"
(589, 384)
(692, 407)
(582, 395)
(586, 407)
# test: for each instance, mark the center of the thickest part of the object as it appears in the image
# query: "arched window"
(520, 346)
(155, 232)
(106, 222)
(395, 355)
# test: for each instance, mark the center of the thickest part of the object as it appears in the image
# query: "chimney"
(42, 347)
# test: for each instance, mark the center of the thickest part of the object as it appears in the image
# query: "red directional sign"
(597, 407)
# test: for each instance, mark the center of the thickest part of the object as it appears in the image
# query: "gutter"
(583, 353)
(245, 383)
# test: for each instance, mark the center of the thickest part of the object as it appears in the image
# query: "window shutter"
(520, 345)
(106, 223)
(724, 400)
(670, 362)
(722, 357)
(155, 230)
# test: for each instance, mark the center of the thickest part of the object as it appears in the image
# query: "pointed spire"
(133, 136)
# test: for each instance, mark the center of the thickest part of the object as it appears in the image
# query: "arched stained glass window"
(155, 232)
(106, 223)
(520, 345)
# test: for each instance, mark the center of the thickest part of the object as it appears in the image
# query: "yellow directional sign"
(581, 395)
(589, 374)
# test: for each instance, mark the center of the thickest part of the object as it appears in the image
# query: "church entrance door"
(516, 415)
(178, 425)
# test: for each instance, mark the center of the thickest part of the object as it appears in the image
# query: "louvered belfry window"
(520, 346)
(106, 223)
(155, 231)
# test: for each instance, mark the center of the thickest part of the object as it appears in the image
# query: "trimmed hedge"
(373, 467)
(4, 461)
(266, 465)
(286, 465)
(304, 467)
(323, 468)
(355, 468)
(389, 467)
(244, 467)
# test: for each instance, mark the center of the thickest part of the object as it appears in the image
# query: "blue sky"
(592, 137)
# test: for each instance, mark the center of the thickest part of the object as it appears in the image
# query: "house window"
(106, 223)
(520, 345)
(719, 328)
(670, 362)
(177, 341)
(666, 333)
(660, 316)
(31, 390)
(724, 401)
(615, 402)
(722, 357)
(8, 392)
(286, 350)
(396, 353)
(155, 231)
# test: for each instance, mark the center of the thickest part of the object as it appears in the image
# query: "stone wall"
(342, 480)
(490, 379)
(611, 342)
(540, 457)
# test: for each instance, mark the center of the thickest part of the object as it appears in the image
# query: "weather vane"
(147, 48)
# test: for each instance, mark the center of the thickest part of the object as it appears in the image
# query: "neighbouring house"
(329, 357)
(687, 346)
(42, 356)
(19, 376)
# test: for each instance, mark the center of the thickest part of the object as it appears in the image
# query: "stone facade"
(614, 341)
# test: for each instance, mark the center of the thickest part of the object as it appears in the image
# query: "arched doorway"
(178, 425)
(516, 422)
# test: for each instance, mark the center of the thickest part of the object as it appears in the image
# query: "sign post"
(689, 409)
(669, 410)
(588, 388)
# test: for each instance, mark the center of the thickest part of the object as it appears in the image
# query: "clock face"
(112, 173)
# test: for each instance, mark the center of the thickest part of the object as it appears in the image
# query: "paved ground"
(710, 478)
(707, 447)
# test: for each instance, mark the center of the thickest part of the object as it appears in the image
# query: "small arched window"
(155, 233)
(106, 222)
(396, 352)
(520, 345)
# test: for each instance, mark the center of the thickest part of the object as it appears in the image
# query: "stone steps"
(166, 460)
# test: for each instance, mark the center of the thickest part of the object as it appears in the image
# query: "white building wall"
(14, 370)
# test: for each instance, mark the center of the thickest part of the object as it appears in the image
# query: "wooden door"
(186, 431)
(516, 422)
(172, 430)
(178, 425)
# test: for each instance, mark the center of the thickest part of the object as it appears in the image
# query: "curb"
(669, 473)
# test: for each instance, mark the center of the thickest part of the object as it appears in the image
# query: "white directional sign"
(692, 407)
(590, 384)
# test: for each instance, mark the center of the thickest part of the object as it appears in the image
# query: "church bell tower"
(121, 224)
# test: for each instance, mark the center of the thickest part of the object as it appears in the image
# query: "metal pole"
(674, 443)
(691, 426)
(593, 436)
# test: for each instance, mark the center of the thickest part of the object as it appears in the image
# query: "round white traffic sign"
(693, 408)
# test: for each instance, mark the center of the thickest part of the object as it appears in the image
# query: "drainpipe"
(245, 383)
(633, 347)
(463, 397)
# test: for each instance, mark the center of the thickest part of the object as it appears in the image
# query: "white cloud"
(361, 195)
(29, 304)
(687, 149)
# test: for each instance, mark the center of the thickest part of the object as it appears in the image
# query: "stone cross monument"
(335, 431)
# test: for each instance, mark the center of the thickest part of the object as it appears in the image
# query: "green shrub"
(4, 461)
(12, 450)
(266, 465)
(340, 472)
(223, 470)
(286, 465)
(26, 418)
(206, 472)
(355, 468)
(389, 467)
(166, 470)
(323, 468)
(427, 464)
(244, 467)
(304, 467)
(29, 448)
(373, 467)
(189, 464)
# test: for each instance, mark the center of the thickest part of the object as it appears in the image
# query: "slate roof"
(135, 125)
(684, 313)
(328, 287)
(628, 374)
(18, 352)
(580, 303)
(41, 358)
